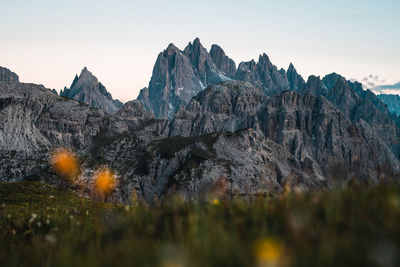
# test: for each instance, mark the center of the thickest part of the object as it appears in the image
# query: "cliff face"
(225, 64)
(263, 75)
(200, 122)
(87, 89)
(35, 121)
(230, 132)
(173, 83)
(180, 75)
(7, 75)
(392, 102)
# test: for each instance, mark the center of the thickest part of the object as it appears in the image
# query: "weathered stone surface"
(133, 110)
(34, 121)
(7, 75)
(225, 64)
(392, 102)
(229, 106)
(256, 134)
(172, 84)
(206, 71)
(309, 126)
(87, 89)
(178, 76)
(315, 85)
(263, 75)
(295, 80)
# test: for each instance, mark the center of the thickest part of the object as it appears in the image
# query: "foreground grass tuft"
(41, 226)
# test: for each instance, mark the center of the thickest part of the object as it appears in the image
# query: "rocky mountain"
(230, 131)
(307, 125)
(87, 89)
(263, 75)
(314, 84)
(205, 69)
(358, 104)
(180, 75)
(392, 102)
(173, 83)
(225, 64)
(255, 132)
(295, 80)
(7, 75)
(34, 121)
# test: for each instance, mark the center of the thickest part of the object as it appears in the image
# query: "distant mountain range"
(201, 120)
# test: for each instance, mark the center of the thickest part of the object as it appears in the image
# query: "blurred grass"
(355, 226)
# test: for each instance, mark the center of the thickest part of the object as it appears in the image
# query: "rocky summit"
(7, 75)
(180, 75)
(87, 89)
(202, 124)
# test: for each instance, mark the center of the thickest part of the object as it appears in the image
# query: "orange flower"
(65, 163)
(105, 181)
(268, 252)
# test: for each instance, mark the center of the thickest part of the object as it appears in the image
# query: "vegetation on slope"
(357, 226)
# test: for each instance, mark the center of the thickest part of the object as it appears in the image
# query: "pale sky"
(48, 42)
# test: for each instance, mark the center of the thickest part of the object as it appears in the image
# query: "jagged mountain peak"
(87, 89)
(196, 44)
(263, 58)
(263, 75)
(179, 75)
(85, 72)
(331, 79)
(171, 49)
(222, 61)
(315, 85)
(203, 63)
(296, 81)
(173, 82)
(74, 81)
(85, 78)
(342, 82)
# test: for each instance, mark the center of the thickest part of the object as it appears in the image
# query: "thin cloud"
(387, 89)
(372, 81)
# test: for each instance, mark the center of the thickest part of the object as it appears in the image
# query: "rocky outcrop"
(7, 75)
(172, 73)
(295, 80)
(87, 89)
(173, 83)
(392, 102)
(206, 71)
(229, 106)
(225, 64)
(257, 134)
(34, 121)
(133, 110)
(358, 104)
(263, 75)
(233, 132)
(177, 77)
(311, 128)
(315, 85)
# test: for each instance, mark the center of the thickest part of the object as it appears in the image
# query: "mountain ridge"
(87, 89)
(267, 131)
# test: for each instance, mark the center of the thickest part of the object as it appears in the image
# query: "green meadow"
(350, 226)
